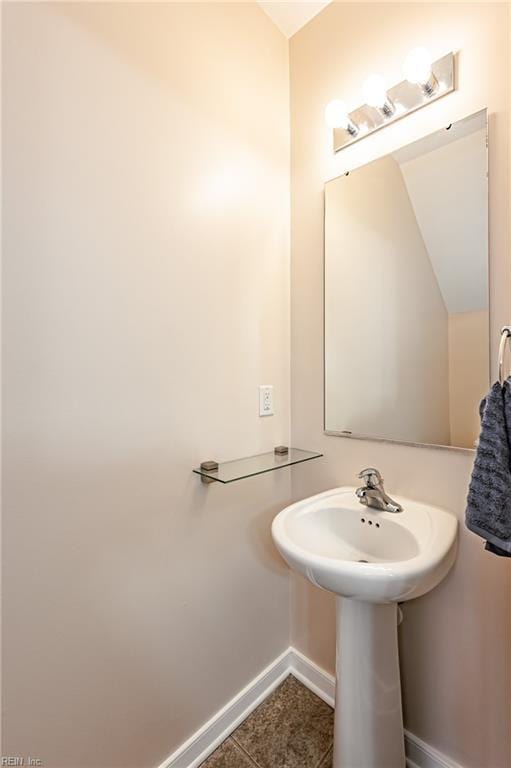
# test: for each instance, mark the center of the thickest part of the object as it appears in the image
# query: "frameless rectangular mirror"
(406, 291)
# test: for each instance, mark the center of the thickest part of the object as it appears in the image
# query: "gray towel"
(489, 498)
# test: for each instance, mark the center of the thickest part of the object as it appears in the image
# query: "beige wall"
(146, 284)
(468, 373)
(383, 312)
(455, 641)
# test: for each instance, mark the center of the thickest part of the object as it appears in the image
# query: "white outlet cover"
(266, 400)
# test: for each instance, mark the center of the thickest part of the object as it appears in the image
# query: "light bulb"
(417, 66)
(375, 94)
(375, 91)
(336, 114)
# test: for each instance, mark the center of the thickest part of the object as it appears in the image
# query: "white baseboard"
(316, 679)
(421, 755)
(204, 741)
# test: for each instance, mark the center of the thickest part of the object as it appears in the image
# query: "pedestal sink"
(371, 560)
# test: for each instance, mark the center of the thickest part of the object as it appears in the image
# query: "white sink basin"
(370, 559)
(364, 553)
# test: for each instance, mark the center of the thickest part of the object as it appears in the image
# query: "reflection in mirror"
(406, 291)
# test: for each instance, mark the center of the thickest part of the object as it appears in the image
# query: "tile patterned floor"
(292, 728)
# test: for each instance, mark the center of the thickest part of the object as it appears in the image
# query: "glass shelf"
(229, 471)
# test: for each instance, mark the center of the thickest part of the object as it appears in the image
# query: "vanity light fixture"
(426, 81)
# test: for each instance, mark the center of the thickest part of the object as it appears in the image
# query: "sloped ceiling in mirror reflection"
(447, 186)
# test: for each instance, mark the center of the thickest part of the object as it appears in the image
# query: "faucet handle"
(371, 477)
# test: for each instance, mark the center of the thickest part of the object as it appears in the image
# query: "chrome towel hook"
(505, 335)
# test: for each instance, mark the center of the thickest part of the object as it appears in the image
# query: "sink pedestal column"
(368, 714)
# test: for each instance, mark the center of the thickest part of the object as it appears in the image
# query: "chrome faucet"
(372, 493)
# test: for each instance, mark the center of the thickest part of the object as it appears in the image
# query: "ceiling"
(447, 185)
(290, 16)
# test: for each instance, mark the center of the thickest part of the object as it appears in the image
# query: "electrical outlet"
(266, 400)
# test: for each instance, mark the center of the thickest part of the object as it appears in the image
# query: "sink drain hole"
(363, 561)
